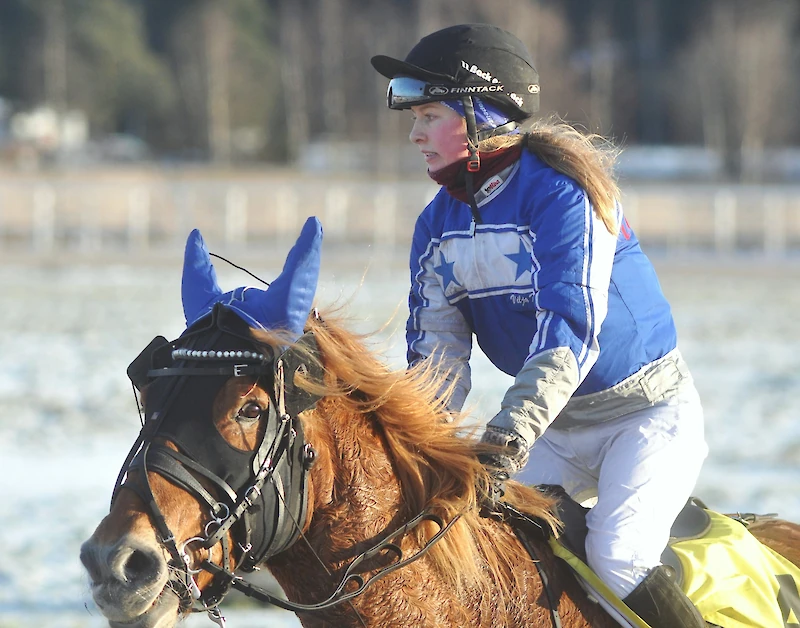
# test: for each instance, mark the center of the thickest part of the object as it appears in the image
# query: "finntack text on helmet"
(477, 89)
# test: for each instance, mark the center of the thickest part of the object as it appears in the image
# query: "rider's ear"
(137, 371)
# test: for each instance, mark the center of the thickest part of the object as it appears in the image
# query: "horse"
(274, 437)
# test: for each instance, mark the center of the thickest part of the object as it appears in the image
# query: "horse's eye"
(250, 411)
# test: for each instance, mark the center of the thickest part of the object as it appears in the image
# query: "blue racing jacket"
(540, 273)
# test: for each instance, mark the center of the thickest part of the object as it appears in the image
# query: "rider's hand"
(505, 455)
(506, 452)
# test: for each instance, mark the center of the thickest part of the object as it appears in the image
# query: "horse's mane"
(434, 462)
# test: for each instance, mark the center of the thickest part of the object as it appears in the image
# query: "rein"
(388, 545)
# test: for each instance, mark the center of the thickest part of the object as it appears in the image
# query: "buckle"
(251, 495)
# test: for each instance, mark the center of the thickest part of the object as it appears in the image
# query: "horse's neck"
(364, 504)
(416, 595)
(359, 498)
(366, 496)
(359, 505)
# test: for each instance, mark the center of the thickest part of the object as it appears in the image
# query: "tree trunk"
(217, 31)
(292, 76)
(55, 55)
(331, 17)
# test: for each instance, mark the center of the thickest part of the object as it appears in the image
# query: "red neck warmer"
(452, 177)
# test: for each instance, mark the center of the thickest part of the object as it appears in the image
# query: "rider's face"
(440, 134)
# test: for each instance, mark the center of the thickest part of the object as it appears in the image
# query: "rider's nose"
(416, 135)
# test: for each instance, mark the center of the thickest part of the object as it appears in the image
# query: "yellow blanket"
(734, 580)
(737, 582)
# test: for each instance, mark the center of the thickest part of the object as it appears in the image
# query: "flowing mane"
(433, 460)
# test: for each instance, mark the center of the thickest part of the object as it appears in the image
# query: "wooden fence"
(125, 213)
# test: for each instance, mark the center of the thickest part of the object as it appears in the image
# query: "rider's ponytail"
(588, 159)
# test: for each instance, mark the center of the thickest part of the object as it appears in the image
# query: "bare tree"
(187, 37)
(738, 65)
(217, 37)
(544, 30)
(650, 110)
(601, 72)
(292, 75)
(386, 37)
(351, 95)
(331, 51)
(54, 43)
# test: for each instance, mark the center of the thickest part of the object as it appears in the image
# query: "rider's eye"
(250, 411)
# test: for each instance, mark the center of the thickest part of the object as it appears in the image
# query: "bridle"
(262, 493)
(267, 505)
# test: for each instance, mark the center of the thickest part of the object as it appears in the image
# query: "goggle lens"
(405, 92)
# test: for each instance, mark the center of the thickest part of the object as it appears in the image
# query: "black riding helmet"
(462, 62)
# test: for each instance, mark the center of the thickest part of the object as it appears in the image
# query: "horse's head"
(217, 479)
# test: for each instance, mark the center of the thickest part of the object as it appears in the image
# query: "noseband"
(262, 492)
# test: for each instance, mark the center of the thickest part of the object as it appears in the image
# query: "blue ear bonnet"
(285, 304)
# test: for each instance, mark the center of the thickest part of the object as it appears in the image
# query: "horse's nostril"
(90, 562)
(139, 565)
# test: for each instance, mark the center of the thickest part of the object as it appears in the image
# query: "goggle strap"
(474, 161)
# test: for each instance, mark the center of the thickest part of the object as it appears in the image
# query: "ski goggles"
(405, 92)
(415, 92)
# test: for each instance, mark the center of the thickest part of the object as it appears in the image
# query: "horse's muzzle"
(128, 580)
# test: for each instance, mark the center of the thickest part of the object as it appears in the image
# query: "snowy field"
(67, 415)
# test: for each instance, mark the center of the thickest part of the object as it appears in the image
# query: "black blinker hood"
(185, 402)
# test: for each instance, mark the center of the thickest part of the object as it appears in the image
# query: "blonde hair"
(587, 158)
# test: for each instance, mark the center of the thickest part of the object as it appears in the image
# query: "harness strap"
(232, 370)
(171, 465)
(522, 524)
(149, 428)
(552, 603)
(594, 581)
(167, 538)
(265, 472)
(388, 545)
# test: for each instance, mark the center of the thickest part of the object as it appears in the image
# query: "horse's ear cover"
(284, 305)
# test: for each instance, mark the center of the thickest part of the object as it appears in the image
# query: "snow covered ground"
(67, 415)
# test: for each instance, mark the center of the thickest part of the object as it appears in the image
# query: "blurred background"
(126, 123)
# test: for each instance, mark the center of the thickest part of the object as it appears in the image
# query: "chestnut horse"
(275, 438)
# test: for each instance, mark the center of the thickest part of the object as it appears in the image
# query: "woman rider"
(526, 248)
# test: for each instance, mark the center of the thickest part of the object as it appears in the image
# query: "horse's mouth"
(163, 613)
(168, 605)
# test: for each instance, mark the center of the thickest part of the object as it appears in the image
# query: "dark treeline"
(258, 79)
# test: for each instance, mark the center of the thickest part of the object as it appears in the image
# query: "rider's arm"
(436, 329)
(572, 256)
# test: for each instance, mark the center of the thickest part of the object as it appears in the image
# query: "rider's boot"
(661, 603)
